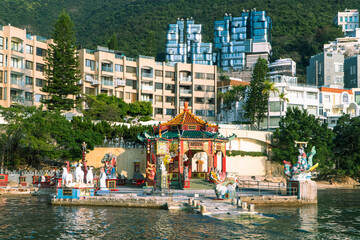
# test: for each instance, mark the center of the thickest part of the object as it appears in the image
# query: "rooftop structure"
(284, 66)
(348, 20)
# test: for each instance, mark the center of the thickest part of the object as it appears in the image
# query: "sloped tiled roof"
(186, 117)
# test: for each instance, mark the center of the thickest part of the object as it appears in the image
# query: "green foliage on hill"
(299, 27)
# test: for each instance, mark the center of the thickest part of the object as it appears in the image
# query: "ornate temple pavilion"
(187, 146)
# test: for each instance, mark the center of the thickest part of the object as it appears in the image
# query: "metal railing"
(267, 187)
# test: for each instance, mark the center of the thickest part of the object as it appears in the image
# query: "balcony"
(147, 88)
(185, 79)
(147, 75)
(106, 69)
(17, 99)
(185, 91)
(120, 83)
(80, 82)
(95, 82)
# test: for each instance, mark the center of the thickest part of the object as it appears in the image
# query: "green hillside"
(299, 27)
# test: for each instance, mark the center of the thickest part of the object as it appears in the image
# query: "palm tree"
(269, 87)
(283, 98)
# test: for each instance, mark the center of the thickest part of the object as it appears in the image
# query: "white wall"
(246, 166)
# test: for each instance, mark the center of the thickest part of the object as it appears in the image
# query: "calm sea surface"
(337, 216)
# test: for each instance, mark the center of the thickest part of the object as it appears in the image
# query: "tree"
(256, 101)
(347, 142)
(112, 43)
(283, 98)
(269, 88)
(62, 66)
(298, 125)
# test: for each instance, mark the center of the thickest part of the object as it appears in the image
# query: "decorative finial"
(186, 104)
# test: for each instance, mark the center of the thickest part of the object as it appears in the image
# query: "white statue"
(66, 177)
(103, 179)
(90, 176)
(79, 174)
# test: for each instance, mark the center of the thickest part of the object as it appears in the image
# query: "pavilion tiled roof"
(186, 117)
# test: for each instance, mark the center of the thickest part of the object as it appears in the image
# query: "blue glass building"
(184, 44)
(239, 41)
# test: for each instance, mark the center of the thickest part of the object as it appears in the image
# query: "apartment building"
(166, 86)
(184, 44)
(333, 103)
(326, 68)
(242, 40)
(348, 20)
(22, 66)
(351, 72)
(284, 66)
(22, 75)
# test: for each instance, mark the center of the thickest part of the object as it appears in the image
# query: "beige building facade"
(22, 75)
(22, 67)
(144, 79)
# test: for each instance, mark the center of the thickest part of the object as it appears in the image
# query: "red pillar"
(215, 159)
(180, 167)
(224, 161)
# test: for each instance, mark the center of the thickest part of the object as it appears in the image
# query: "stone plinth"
(308, 191)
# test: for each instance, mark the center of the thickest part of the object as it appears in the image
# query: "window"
(38, 97)
(131, 83)
(90, 91)
(127, 95)
(351, 19)
(40, 82)
(210, 113)
(170, 87)
(90, 63)
(200, 75)
(1, 60)
(28, 80)
(158, 73)
(311, 95)
(159, 86)
(199, 112)
(345, 98)
(158, 111)
(355, 18)
(346, 19)
(29, 49)
(210, 88)
(199, 88)
(108, 81)
(210, 76)
(199, 100)
(119, 68)
(15, 46)
(211, 101)
(341, 19)
(29, 64)
(170, 99)
(170, 112)
(131, 70)
(16, 63)
(158, 99)
(40, 67)
(1, 43)
(40, 52)
(28, 96)
(1, 76)
(169, 74)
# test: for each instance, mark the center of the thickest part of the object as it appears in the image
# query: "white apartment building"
(285, 66)
(348, 20)
(335, 102)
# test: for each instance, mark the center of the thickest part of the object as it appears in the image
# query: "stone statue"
(90, 176)
(79, 174)
(103, 179)
(66, 177)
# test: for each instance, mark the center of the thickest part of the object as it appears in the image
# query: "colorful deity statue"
(301, 170)
(110, 165)
(225, 187)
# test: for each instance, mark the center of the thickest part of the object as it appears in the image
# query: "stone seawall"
(115, 201)
(277, 201)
